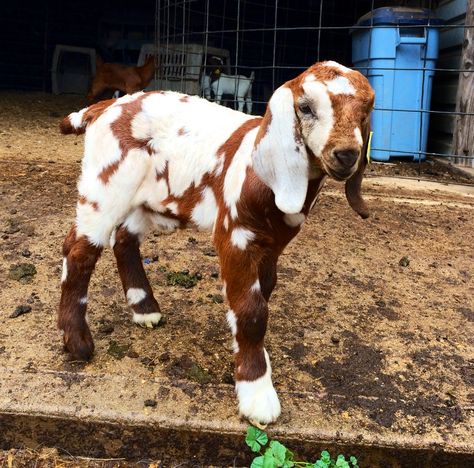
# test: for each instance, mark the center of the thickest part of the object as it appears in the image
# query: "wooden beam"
(463, 137)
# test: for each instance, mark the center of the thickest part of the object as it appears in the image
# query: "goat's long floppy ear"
(353, 184)
(279, 158)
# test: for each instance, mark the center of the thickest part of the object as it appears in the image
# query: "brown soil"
(347, 320)
(51, 458)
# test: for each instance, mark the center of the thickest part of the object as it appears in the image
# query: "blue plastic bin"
(392, 54)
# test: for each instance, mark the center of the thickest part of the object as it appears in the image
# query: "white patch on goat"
(101, 146)
(76, 118)
(224, 290)
(187, 163)
(232, 322)
(226, 222)
(240, 237)
(258, 400)
(116, 198)
(205, 212)
(83, 300)
(173, 207)
(340, 85)
(113, 238)
(64, 273)
(332, 64)
(163, 222)
(152, 192)
(237, 171)
(309, 78)
(128, 98)
(255, 286)
(319, 134)
(280, 159)
(220, 167)
(358, 136)
(138, 222)
(294, 220)
(147, 320)
(135, 295)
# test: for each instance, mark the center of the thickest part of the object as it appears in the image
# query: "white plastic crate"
(180, 65)
(75, 79)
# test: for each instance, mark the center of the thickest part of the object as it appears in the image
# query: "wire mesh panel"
(272, 41)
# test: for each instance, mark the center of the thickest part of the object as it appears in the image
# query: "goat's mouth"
(340, 174)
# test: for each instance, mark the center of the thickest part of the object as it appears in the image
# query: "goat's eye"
(306, 110)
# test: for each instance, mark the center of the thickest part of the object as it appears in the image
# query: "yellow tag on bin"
(368, 147)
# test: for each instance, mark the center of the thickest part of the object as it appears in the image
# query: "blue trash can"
(392, 54)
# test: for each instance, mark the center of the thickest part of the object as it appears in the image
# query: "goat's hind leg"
(137, 289)
(80, 257)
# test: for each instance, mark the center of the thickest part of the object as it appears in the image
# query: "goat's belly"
(179, 214)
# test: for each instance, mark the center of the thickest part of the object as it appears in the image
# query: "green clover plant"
(276, 455)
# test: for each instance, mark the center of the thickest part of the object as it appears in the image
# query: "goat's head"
(319, 121)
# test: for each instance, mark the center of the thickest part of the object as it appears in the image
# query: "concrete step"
(106, 416)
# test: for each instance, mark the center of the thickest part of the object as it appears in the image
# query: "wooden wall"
(446, 83)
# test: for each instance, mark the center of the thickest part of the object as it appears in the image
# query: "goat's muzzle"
(346, 157)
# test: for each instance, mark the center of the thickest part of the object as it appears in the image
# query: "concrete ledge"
(105, 416)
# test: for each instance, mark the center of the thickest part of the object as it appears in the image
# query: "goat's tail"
(77, 122)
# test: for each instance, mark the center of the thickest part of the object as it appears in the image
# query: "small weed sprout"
(276, 455)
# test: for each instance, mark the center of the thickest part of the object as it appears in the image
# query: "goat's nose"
(346, 157)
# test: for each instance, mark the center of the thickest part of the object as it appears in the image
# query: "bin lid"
(398, 16)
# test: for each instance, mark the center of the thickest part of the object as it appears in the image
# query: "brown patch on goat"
(131, 271)
(90, 115)
(122, 130)
(184, 98)
(264, 126)
(82, 200)
(81, 257)
(228, 149)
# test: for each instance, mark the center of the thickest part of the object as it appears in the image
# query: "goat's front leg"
(247, 319)
(248, 100)
(218, 97)
(137, 289)
(267, 274)
(80, 257)
(241, 102)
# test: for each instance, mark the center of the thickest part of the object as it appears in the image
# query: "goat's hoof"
(80, 346)
(258, 402)
(257, 424)
(147, 320)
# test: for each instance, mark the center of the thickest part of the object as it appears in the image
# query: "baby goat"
(115, 76)
(170, 160)
(239, 86)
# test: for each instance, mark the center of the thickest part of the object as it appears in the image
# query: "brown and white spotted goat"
(170, 160)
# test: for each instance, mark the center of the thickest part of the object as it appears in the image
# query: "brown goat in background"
(115, 76)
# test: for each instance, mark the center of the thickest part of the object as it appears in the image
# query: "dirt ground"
(51, 458)
(375, 308)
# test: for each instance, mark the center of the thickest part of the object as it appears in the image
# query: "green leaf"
(341, 462)
(325, 457)
(269, 461)
(320, 464)
(257, 462)
(279, 452)
(255, 438)
(289, 457)
(353, 460)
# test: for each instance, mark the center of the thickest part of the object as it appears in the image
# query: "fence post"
(463, 135)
